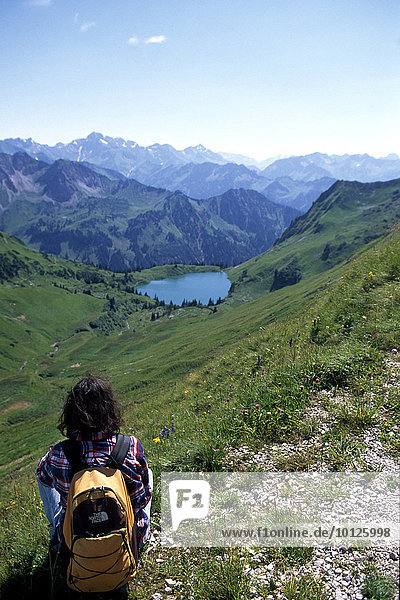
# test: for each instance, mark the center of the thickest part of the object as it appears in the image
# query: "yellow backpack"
(99, 526)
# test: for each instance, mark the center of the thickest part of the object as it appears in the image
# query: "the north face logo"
(98, 517)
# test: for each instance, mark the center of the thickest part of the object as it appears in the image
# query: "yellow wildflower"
(157, 440)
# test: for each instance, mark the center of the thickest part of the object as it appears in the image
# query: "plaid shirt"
(54, 471)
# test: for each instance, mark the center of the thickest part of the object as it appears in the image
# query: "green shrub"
(341, 450)
(303, 587)
(208, 456)
(223, 579)
(379, 588)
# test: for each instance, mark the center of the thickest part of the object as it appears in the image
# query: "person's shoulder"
(57, 449)
(136, 446)
(54, 452)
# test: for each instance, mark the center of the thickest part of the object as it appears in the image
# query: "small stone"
(359, 596)
(159, 560)
(253, 591)
(393, 556)
(156, 596)
(168, 589)
(170, 582)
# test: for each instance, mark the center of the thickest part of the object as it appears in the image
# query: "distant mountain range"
(70, 210)
(200, 173)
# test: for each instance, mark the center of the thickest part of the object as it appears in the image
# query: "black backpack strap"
(120, 451)
(72, 452)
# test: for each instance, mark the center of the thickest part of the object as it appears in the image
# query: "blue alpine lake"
(193, 286)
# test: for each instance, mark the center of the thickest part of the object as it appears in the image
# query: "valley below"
(293, 367)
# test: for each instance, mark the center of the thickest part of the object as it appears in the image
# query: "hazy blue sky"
(259, 77)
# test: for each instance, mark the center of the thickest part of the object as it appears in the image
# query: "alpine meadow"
(199, 300)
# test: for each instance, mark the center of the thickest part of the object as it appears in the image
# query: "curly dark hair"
(90, 406)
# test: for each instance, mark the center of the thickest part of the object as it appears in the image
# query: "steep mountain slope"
(69, 210)
(299, 194)
(342, 220)
(247, 210)
(217, 230)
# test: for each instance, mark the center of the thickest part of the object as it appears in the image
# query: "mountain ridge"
(329, 233)
(67, 209)
(162, 165)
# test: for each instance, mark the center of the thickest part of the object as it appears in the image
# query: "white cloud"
(133, 41)
(156, 39)
(38, 2)
(86, 26)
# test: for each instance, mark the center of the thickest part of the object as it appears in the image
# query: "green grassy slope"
(48, 305)
(48, 343)
(34, 373)
(46, 340)
(342, 220)
(329, 332)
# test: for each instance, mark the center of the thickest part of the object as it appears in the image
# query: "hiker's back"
(99, 526)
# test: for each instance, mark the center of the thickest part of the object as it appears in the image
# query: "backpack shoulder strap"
(120, 451)
(72, 452)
